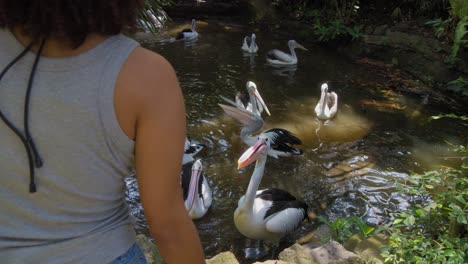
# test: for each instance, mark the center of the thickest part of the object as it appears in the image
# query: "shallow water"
(392, 139)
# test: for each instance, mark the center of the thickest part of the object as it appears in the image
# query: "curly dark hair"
(71, 20)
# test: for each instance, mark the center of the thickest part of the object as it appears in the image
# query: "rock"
(380, 30)
(274, 262)
(367, 249)
(223, 258)
(149, 249)
(355, 166)
(330, 253)
(317, 236)
(368, 30)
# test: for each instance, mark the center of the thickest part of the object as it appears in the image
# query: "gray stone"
(223, 258)
(317, 236)
(368, 249)
(330, 253)
(149, 249)
(274, 262)
(368, 30)
(380, 30)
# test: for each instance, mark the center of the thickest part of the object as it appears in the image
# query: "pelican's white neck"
(323, 101)
(246, 137)
(293, 51)
(254, 182)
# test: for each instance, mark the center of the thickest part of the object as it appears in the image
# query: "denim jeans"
(134, 255)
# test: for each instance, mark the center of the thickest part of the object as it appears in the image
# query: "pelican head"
(253, 92)
(324, 88)
(253, 37)
(293, 44)
(253, 153)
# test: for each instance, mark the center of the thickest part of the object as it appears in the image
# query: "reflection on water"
(284, 70)
(384, 135)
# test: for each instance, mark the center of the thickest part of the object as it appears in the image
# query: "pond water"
(379, 135)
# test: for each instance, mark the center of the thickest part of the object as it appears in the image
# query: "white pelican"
(253, 122)
(188, 33)
(196, 191)
(281, 58)
(328, 105)
(249, 45)
(250, 101)
(191, 149)
(267, 214)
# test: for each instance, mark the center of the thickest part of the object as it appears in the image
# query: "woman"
(81, 105)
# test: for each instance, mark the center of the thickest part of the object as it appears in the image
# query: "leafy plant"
(335, 30)
(459, 8)
(458, 39)
(460, 85)
(344, 228)
(433, 229)
(441, 26)
(152, 15)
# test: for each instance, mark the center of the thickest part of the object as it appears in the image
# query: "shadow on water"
(350, 163)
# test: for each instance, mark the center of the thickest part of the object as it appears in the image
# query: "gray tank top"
(79, 213)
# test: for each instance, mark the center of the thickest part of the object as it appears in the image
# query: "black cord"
(26, 139)
(37, 158)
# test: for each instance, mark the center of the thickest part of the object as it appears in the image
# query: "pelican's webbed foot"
(255, 253)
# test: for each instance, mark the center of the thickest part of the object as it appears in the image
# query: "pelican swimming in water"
(267, 214)
(188, 33)
(249, 44)
(279, 57)
(250, 101)
(196, 191)
(327, 106)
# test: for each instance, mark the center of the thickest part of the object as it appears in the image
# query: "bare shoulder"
(147, 84)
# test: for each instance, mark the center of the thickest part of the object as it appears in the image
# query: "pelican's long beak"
(251, 154)
(260, 100)
(193, 187)
(300, 46)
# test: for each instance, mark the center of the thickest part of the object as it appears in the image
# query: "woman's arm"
(149, 87)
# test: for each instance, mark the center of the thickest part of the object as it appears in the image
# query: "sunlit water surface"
(382, 145)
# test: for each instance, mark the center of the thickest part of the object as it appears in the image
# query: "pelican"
(196, 191)
(328, 104)
(250, 101)
(253, 122)
(191, 148)
(188, 33)
(277, 57)
(267, 214)
(249, 44)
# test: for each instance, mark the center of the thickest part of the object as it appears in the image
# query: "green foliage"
(459, 8)
(336, 30)
(458, 39)
(441, 26)
(154, 7)
(433, 229)
(344, 228)
(459, 85)
(464, 118)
